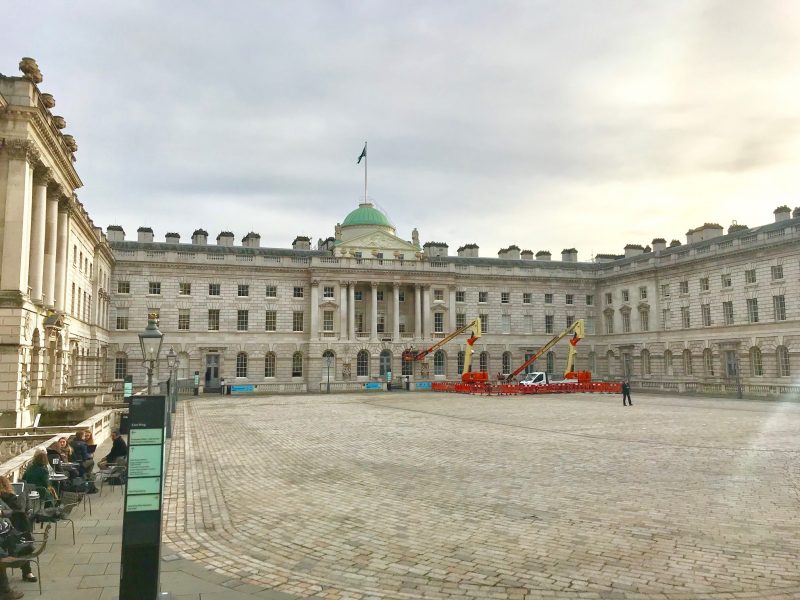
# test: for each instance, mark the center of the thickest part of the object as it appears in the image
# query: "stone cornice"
(52, 139)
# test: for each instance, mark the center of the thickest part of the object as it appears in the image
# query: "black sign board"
(141, 521)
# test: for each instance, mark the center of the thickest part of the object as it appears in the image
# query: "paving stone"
(454, 496)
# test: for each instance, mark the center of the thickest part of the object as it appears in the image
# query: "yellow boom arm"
(577, 329)
(475, 326)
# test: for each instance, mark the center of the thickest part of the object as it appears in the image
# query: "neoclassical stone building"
(720, 310)
(56, 266)
(715, 314)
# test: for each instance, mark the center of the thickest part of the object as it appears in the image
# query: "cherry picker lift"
(574, 381)
(466, 374)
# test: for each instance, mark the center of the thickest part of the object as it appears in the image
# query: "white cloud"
(548, 125)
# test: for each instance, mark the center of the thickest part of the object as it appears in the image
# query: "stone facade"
(722, 308)
(55, 264)
(654, 316)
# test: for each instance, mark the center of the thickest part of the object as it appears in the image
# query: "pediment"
(379, 241)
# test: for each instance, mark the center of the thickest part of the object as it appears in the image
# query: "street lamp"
(172, 363)
(328, 362)
(171, 356)
(150, 340)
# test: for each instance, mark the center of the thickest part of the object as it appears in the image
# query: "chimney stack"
(200, 237)
(144, 234)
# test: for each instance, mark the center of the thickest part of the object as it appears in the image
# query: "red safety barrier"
(513, 389)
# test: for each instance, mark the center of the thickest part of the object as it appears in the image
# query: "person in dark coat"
(119, 449)
(38, 475)
(81, 454)
(19, 520)
(626, 393)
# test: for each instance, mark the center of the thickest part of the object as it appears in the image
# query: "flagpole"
(366, 158)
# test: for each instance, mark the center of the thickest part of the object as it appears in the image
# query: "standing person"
(626, 393)
(19, 520)
(119, 449)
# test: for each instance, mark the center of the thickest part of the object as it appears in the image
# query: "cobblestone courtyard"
(448, 496)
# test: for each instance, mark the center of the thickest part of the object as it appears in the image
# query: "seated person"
(88, 437)
(81, 454)
(20, 521)
(38, 475)
(59, 459)
(119, 450)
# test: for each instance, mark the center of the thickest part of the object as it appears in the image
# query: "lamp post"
(328, 361)
(150, 340)
(172, 363)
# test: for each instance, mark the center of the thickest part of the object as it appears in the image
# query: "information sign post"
(141, 521)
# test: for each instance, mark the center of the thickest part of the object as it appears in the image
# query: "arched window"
(551, 362)
(461, 358)
(269, 365)
(297, 364)
(756, 363)
(328, 372)
(506, 363)
(610, 362)
(688, 367)
(120, 365)
(241, 364)
(362, 364)
(708, 362)
(484, 361)
(782, 354)
(667, 363)
(438, 363)
(645, 356)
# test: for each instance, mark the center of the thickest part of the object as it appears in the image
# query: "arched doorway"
(385, 362)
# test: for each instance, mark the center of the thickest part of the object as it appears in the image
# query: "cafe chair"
(116, 473)
(14, 562)
(61, 512)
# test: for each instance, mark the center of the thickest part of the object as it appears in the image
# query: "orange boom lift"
(466, 375)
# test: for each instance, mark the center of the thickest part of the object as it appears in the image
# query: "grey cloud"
(484, 121)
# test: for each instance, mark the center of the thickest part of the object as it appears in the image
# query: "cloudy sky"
(542, 124)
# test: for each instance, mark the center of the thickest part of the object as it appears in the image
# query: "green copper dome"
(366, 214)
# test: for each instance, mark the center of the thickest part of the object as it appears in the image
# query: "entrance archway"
(385, 362)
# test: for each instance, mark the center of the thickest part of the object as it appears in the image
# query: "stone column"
(396, 312)
(342, 309)
(315, 310)
(54, 192)
(351, 310)
(41, 177)
(17, 186)
(417, 312)
(62, 254)
(452, 307)
(373, 321)
(426, 311)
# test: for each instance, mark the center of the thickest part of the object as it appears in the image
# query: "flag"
(363, 154)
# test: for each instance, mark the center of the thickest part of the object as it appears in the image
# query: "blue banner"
(423, 385)
(242, 388)
(373, 385)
